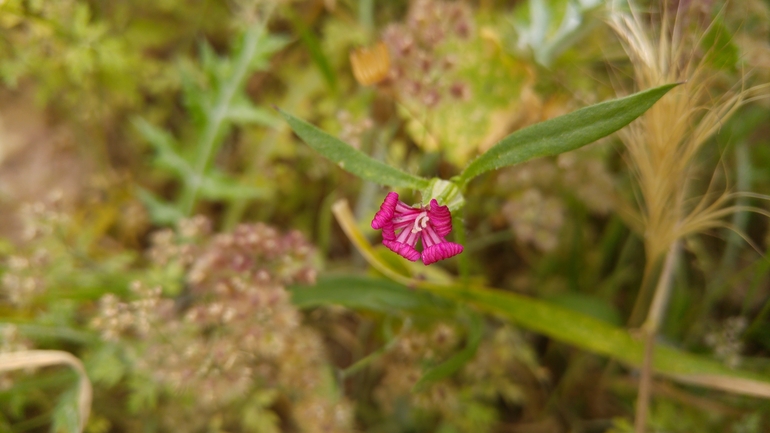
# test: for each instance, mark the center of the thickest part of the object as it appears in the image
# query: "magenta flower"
(431, 223)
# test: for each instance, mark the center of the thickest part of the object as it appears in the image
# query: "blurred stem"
(324, 228)
(759, 275)
(744, 172)
(217, 115)
(649, 330)
(366, 360)
(366, 15)
(644, 293)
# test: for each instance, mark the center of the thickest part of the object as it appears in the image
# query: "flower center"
(420, 222)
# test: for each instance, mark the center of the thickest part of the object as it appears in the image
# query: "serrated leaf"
(143, 396)
(257, 416)
(350, 159)
(218, 186)
(65, 414)
(208, 57)
(244, 112)
(266, 47)
(196, 100)
(160, 211)
(564, 133)
(104, 366)
(458, 360)
(164, 145)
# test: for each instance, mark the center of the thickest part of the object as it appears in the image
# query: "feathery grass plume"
(663, 143)
(662, 146)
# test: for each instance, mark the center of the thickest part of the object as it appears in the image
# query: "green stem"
(366, 14)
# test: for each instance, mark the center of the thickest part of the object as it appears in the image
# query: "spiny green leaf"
(164, 145)
(564, 133)
(268, 45)
(244, 112)
(219, 186)
(351, 159)
(160, 211)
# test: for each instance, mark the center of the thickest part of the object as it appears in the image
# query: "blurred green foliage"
(166, 111)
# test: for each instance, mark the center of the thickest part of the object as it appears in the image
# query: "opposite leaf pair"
(430, 223)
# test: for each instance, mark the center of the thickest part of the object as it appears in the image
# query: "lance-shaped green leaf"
(600, 337)
(350, 159)
(372, 294)
(564, 133)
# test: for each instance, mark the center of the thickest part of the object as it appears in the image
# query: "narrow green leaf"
(459, 359)
(350, 159)
(593, 335)
(366, 293)
(564, 133)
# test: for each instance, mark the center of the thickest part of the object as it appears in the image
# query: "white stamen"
(420, 222)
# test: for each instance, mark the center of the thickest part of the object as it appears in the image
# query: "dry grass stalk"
(662, 146)
(46, 358)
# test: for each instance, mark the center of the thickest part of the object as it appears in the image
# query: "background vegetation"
(175, 258)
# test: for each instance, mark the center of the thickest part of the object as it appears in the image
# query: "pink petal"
(441, 251)
(404, 250)
(440, 218)
(389, 232)
(387, 211)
